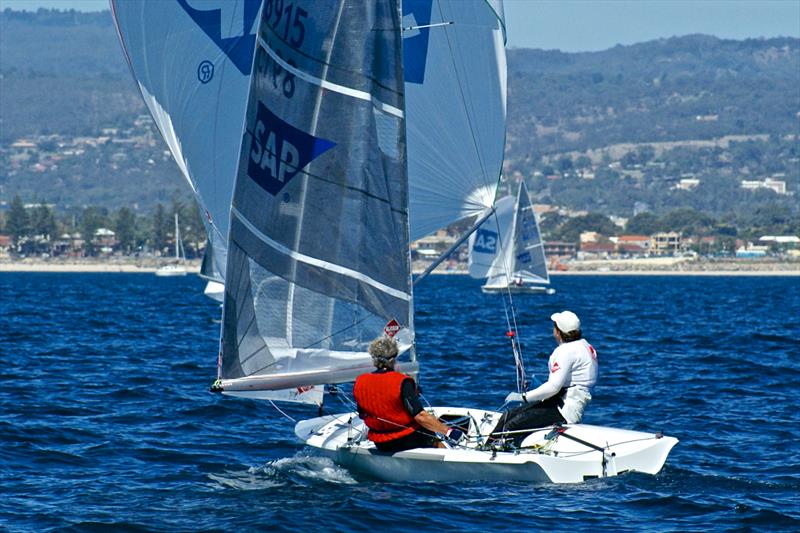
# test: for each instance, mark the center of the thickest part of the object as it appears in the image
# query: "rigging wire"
(281, 411)
(511, 318)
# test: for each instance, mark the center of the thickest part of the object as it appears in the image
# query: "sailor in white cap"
(567, 391)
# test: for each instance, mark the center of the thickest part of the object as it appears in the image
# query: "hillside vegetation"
(636, 119)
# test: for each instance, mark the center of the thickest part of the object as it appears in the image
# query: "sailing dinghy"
(508, 250)
(177, 268)
(362, 126)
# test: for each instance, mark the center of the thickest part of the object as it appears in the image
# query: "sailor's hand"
(455, 435)
(515, 397)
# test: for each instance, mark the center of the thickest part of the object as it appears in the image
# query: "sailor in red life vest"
(563, 398)
(388, 403)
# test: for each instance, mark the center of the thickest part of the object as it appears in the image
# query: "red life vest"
(380, 405)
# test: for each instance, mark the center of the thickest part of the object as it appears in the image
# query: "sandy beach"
(660, 266)
(617, 267)
(110, 266)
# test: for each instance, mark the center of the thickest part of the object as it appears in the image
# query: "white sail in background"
(489, 246)
(318, 256)
(192, 61)
(508, 247)
(455, 82)
(530, 263)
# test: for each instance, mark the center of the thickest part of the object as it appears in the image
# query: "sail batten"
(325, 84)
(325, 265)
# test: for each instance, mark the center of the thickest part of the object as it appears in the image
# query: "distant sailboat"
(177, 268)
(508, 249)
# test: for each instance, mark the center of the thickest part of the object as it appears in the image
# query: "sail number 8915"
(288, 18)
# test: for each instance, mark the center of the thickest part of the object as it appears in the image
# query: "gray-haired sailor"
(388, 403)
(564, 396)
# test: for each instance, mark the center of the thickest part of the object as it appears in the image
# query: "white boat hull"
(215, 290)
(517, 289)
(170, 270)
(556, 460)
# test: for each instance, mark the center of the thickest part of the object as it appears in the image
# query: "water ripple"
(106, 423)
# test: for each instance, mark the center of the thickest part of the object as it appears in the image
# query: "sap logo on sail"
(415, 40)
(485, 241)
(278, 151)
(230, 25)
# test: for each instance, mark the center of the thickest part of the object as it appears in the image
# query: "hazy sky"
(583, 25)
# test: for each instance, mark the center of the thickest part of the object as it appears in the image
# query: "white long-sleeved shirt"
(572, 365)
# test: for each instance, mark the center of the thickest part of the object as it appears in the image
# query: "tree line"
(38, 227)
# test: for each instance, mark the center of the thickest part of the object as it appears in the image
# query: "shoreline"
(193, 267)
(91, 267)
(717, 273)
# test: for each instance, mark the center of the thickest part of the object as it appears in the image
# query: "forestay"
(455, 82)
(318, 253)
(192, 61)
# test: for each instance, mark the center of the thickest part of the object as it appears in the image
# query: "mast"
(177, 239)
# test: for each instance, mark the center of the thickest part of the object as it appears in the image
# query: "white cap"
(566, 321)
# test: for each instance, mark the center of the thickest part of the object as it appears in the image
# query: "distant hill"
(652, 92)
(63, 72)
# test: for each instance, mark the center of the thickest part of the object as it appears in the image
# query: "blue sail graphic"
(238, 48)
(278, 151)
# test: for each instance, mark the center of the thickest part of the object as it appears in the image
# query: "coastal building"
(431, 246)
(69, 245)
(24, 145)
(5, 245)
(687, 184)
(751, 251)
(560, 249)
(104, 240)
(665, 243)
(589, 237)
(596, 250)
(789, 240)
(781, 243)
(619, 221)
(633, 244)
(778, 186)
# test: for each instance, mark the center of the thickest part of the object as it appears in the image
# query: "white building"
(776, 185)
(687, 184)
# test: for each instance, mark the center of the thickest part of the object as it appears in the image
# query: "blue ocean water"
(106, 423)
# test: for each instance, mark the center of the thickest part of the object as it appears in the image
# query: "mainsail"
(191, 60)
(318, 254)
(509, 246)
(455, 81)
(530, 263)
